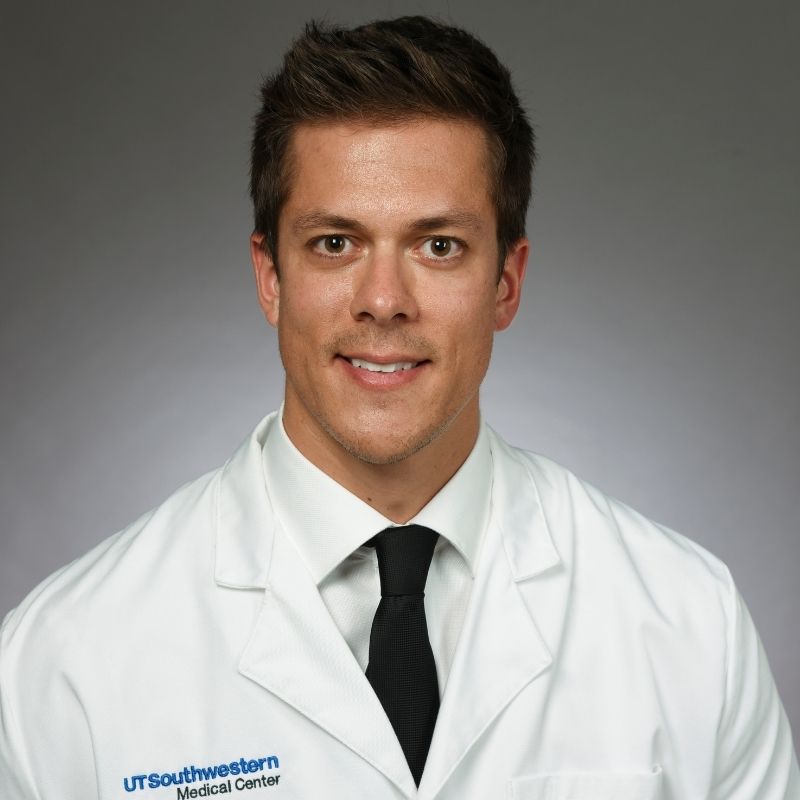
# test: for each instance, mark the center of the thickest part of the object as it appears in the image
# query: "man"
(264, 630)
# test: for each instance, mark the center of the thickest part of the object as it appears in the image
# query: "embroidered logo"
(214, 779)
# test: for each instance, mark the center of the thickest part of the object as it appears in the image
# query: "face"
(386, 297)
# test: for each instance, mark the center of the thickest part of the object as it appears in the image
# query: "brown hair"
(387, 71)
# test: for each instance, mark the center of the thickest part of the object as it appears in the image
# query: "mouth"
(388, 371)
(374, 366)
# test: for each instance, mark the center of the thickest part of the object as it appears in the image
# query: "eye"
(332, 245)
(442, 247)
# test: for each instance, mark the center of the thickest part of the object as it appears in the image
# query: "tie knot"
(404, 556)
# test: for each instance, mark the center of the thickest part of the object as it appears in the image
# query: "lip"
(382, 380)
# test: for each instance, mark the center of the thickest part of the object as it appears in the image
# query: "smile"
(398, 366)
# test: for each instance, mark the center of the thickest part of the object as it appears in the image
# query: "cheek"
(469, 334)
(471, 316)
(312, 314)
(309, 306)
(296, 331)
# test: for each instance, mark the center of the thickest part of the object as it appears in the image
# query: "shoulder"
(168, 553)
(152, 573)
(609, 547)
(118, 608)
(104, 586)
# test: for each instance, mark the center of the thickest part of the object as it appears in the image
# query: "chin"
(378, 448)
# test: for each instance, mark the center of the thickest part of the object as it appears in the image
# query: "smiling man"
(377, 597)
(386, 300)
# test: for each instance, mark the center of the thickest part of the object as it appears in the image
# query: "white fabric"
(329, 525)
(602, 657)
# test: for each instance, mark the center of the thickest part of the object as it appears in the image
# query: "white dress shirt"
(329, 526)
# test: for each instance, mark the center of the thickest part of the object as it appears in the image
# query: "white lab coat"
(602, 658)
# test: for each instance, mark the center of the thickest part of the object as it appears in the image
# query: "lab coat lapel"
(298, 654)
(295, 650)
(500, 650)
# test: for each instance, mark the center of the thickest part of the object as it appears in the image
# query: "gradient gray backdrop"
(656, 351)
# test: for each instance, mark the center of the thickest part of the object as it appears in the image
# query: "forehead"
(423, 166)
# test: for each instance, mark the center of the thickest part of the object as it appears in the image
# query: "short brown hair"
(387, 71)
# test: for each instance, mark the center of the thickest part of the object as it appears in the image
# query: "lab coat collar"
(243, 516)
(245, 523)
(297, 653)
(520, 508)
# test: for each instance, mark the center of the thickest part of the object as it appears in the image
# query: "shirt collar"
(327, 522)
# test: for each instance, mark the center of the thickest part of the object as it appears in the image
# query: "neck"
(397, 490)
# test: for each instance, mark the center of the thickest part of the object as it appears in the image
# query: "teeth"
(396, 367)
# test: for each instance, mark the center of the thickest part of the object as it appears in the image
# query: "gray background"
(656, 350)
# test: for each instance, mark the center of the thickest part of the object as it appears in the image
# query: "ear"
(509, 287)
(267, 283)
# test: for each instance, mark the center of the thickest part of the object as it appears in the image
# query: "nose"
(384, 289)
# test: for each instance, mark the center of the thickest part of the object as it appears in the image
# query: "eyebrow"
(322, 219)
(453, 218)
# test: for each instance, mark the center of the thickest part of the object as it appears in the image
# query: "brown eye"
(441, 246)
(334, 244)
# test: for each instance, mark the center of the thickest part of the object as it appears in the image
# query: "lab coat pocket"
(588, 786)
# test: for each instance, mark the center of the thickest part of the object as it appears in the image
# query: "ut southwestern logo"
(188, 775)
